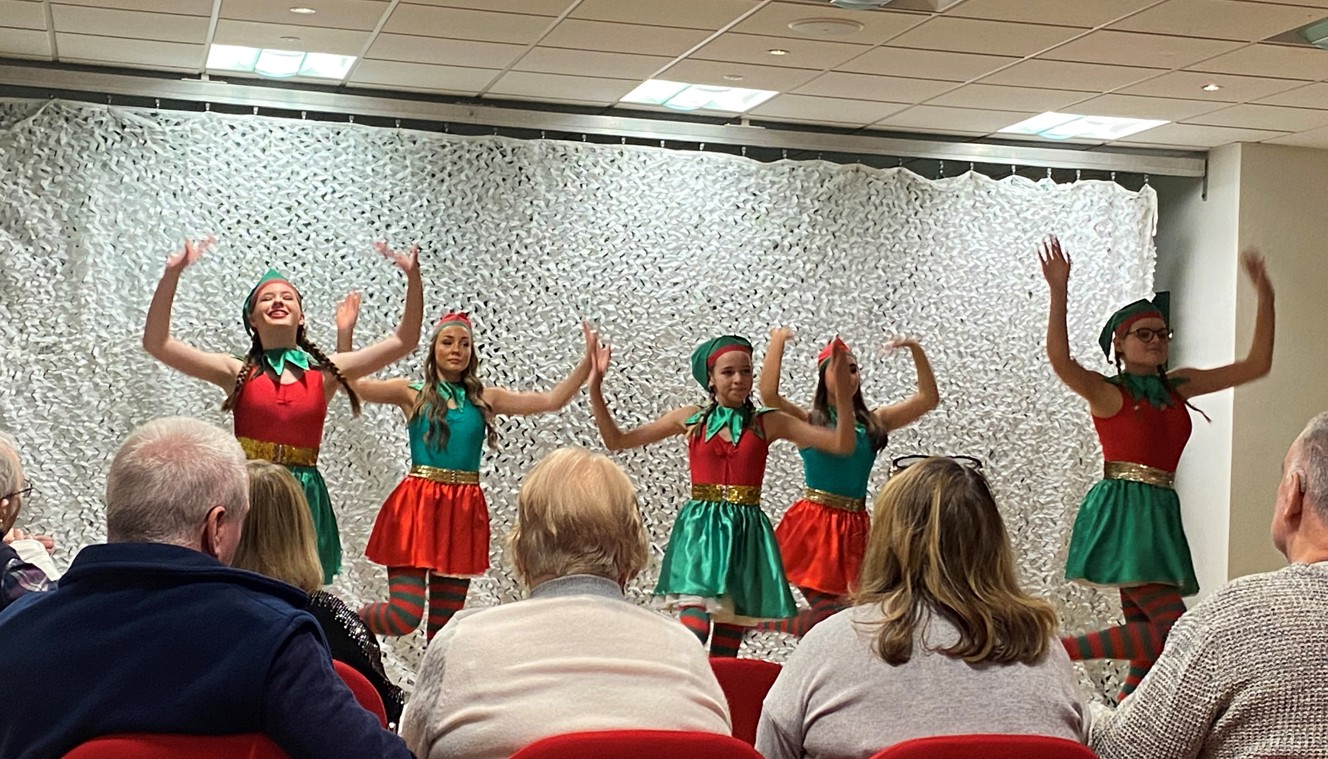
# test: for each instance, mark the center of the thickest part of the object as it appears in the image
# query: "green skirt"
(727, 552)
(1129, 533)
(325, 521)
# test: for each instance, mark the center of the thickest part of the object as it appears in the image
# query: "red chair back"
(363, 690)
(154, 746)
(987, 747)
(745, 683)
(638, 744)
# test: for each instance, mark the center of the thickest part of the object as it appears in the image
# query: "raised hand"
(191, 252)
(348, 312)
(783, 334)
(839, 366)
(406, 261)
(1055, 262)
(1252, 261)
(600, 355)
(901, 342)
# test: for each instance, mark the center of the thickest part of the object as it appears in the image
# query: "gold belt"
(834, 501)
(445, 476)
(1125, 470)
(287, 455)
(743, 495)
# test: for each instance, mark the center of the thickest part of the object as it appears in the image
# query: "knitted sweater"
(1243, 674)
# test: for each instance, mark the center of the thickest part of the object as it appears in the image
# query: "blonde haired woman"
(278, 541)
(941, 639)
(576, 655)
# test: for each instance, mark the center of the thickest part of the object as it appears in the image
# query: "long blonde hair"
(278, 536)
(938, 546)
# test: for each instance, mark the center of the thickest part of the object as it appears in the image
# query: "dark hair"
(430, 403)
(251, 367)
(877, 433)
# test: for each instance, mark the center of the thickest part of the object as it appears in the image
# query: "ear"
(1295, 501)
(213, 525)
(6, 518)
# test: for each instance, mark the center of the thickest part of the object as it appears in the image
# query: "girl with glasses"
(822, 537)
(1128, 531)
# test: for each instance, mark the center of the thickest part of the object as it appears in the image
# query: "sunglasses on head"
(904, 462)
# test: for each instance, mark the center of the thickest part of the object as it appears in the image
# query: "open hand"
(348, 312)
(782, 334)
(407, 261)
(191, 252)
(1252, 261)
(901, 342)
(1055, 262)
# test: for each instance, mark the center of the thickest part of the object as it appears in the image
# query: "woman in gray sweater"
(941, 641)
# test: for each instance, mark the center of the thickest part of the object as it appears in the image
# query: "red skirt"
(822, 546)
(441, 527)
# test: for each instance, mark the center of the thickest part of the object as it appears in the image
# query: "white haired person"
(25, 565)
(575, 656)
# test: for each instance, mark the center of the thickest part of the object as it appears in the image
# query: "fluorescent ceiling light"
(278, 63)
(1065, 126)
(692, 97)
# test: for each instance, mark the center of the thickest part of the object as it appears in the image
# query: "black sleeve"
(351, 642)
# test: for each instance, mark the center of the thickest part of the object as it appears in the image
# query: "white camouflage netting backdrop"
(661, 248)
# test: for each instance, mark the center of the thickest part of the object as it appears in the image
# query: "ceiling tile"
(24, 43)
(464, 24)
(1219, 19)
(22, 15)
(925, 64)
(311, 39)
(172, 56)
(622, 38)
(1067, 75)
(1189, 84)
(752, 48)
(1080, 13)
(334, 14)
(1274, 117)
(687, 14)
(1305, 3)
(933, 118)
(1139, 107)
(825, 110)
(755, 77)
(877, 26)
(463, 53)
(990, 37)
(1195, 136)
(529, 7)
(1134, 49)
(555, 60)
(397, 75)
(178, 7)
(574, 89)
(889, 89)
(1314, 138)
(997, 98)
(1309, 96)
(163, 27)
(1270, 60)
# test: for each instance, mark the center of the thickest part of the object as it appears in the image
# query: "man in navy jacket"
(154, 633)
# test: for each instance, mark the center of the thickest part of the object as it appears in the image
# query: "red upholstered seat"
(745, 683)
(987, 747)
(638, 744)
(363, 690)
(150, 746)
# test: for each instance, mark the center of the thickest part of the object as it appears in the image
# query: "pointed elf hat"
(271, 277)
(455, 318)
(705, 355)
(1119, 323)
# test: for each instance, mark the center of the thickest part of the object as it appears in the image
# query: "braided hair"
(251, 367)
(430, 403)
(1166, 383)
(747, 411)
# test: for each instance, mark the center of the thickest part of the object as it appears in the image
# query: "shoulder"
(1288, 587)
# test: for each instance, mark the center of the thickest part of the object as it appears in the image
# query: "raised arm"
(1259, 360)
(1103, 399)
(504, 401)
(770, 368)
(926, 398)
(838, 441)
(614, 437)
(217, 368)
(401, 341)
(348, 315)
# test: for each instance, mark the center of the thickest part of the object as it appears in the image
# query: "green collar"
(452, 393)
(1147, 387)
(277, 358)
(735, 419)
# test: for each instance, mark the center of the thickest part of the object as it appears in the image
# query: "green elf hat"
(705, 355)
(1119, 323)
(270, 277)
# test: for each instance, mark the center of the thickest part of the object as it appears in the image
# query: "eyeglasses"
(904, 462)
(24, 493)
(1146, 334)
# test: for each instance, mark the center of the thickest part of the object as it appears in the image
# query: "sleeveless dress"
(720, 552)
(1130, 533)
(292, 415)
(441, 526)
(822, 544)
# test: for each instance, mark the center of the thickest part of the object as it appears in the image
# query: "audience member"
(153, 633)
(941, 639)
(576, 655)
(25, 565)
(1245, 672)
